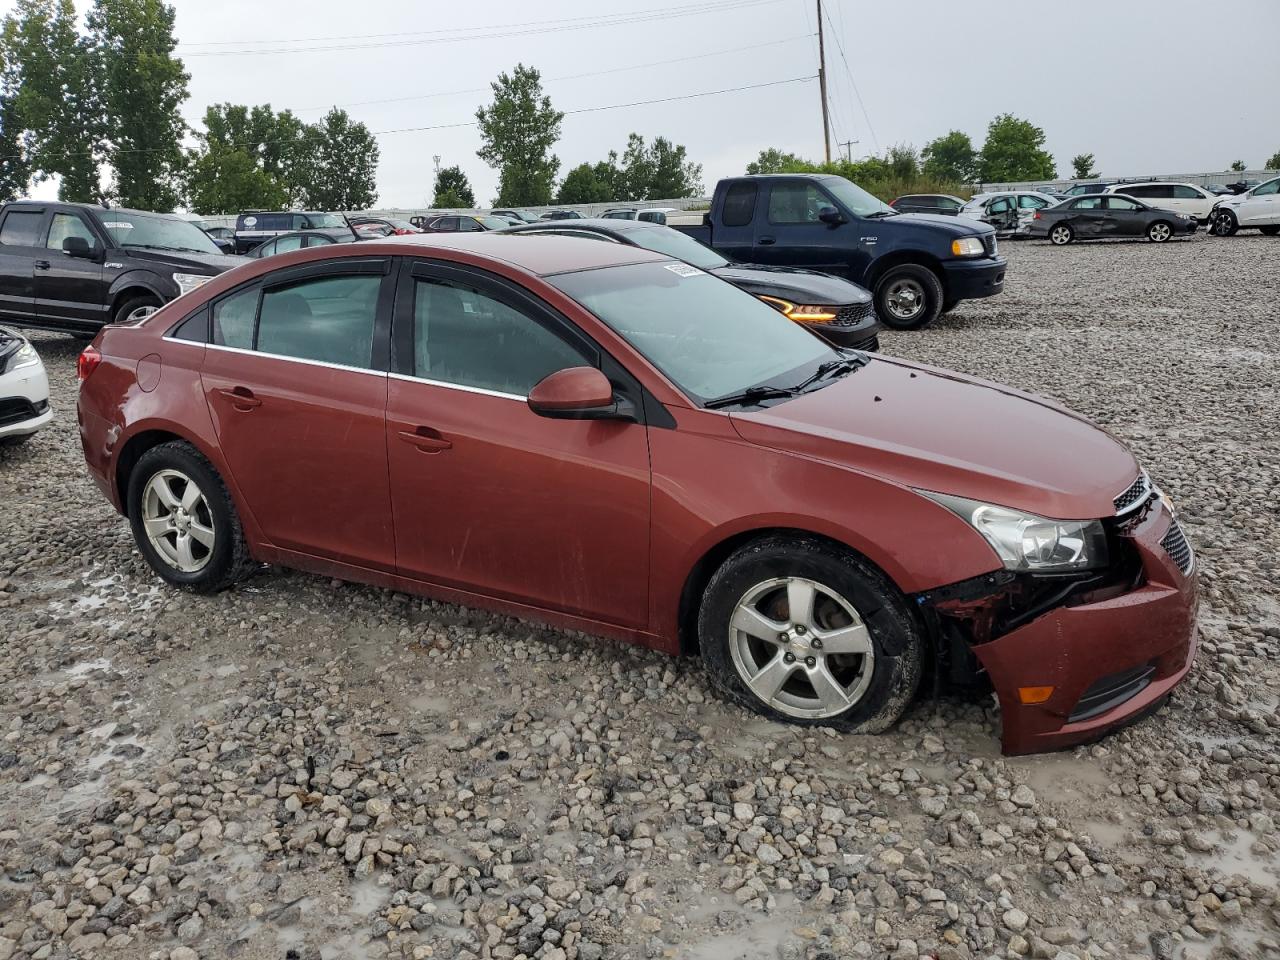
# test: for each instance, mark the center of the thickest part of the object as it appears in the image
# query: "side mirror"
(223, 244)
(79, 248)
(831, 216)
(575, 393)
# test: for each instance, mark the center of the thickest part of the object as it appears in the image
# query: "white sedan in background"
(24, 389)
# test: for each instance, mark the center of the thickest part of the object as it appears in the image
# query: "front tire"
(1159, 232)
(801, 631)
(183, 520)
(136, 309)
(1224, 224)
(1061, 235)
(908, 297)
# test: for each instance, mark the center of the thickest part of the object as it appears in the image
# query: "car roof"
(550, 255)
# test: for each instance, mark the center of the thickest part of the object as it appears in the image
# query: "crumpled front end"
(1071, 657)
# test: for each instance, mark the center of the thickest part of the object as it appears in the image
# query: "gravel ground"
(303, 768)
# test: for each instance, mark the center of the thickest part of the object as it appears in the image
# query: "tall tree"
(223, 180)
(591, 182)
(1082, 166)
(264, 154)
(15, 153)
(1014, 151)
(673, 174)
(1238, 166)
(341, 164)
(1274, 162)
(950, 157)
(517, 132)
(143, 85)
(453, 190)
(903, 161)
(774, 160)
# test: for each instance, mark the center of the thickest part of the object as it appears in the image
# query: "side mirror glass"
(78, 247)
(830, 215)
(575, 393)
(223, 244)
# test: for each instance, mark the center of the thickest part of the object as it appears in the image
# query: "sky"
(1145, 86)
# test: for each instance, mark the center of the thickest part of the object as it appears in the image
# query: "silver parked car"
(1009, 211)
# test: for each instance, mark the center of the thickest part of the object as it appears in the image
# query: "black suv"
(254, 227)
(73, 267)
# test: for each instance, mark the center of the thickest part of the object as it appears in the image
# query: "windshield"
(707, 336)
(324, 221)
(673, 243)
(494, 223)
(156, 232)
(854, 198)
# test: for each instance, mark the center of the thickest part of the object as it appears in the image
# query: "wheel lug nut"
(783, 638)
(799, 628)
(810, 661)
(816, 643)
(789, 658)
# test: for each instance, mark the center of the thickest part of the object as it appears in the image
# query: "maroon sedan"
(600, 437)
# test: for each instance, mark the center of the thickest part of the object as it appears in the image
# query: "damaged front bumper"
(1070, 658)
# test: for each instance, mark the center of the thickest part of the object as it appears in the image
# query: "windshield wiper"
(831, 368)
(751, 395)
(882, 213)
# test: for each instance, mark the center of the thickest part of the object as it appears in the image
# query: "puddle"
(746, 936)
(1062, 777)
(367, 896)
(1234, 856)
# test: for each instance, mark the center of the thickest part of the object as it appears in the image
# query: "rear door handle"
(42, 265)
(765, 241)
(426, 439)
(241, 398)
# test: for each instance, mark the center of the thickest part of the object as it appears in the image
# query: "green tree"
(774, 160)
(1082, 166)
(250, 158)
(673, 175)
(517, 132)
(903, 161)
(142, 87)
(1014, 151)
(339, 166)
(453, 190)
(950, 157)
(591, 182)
(1238, 165)
(1274, 162)
(223, 180)
(15, 159)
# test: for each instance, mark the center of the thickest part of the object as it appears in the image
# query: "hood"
(934, 430)
(961, 226)
(206, 263)
(798, 286)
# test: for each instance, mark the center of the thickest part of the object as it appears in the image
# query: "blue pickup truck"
(919, 266)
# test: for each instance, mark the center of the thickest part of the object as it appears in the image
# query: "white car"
(1259, 207)
(1009, 211)
(1178, 197)
(649, 214)
(24, 389)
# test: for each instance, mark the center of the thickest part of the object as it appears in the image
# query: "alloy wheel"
(1159, 232)
(801, 648)
(1222, 224)
(905, 299)
(1060, 235)
(177, 521)
(139, 314)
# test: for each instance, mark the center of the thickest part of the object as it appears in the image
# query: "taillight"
(86, 363)
(1037, 216)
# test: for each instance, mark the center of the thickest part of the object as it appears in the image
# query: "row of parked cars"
(614, 426)
(1158, 210)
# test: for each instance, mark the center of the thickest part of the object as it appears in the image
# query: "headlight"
(189, 281)
(967, 247)
(1187, 216)
(25, 357)
(1026, 542)
(803, 313)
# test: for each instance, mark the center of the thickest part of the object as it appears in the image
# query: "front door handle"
(766, 241)
(42, 265)
(426, 439)
(241, 398)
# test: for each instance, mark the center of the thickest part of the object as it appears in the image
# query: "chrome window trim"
(459, 386)
(278, 356)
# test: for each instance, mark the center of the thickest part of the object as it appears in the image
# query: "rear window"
(21, 228)
(739, 204)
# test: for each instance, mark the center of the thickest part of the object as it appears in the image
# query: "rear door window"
(21, 228)
(329, 319)
(1183, 192)
(739, 204)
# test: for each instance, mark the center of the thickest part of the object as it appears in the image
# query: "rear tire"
(855, 649)
(183, 520)
(1159, 232)
(908, 297)
(1061, 234)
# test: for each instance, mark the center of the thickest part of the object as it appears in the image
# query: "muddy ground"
(302, 768)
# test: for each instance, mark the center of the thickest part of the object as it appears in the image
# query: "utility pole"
(848, 148)
(822, 86)
(436, 158)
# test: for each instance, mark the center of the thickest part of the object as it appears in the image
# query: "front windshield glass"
(673, 243)
(707, 336)
(494, 223)
(854, 198)
(325, 221)
(156, 232)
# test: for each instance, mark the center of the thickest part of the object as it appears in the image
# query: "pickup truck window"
(856, 200)
(68, 225)
(739, 204)
(21, 228)
(797, 202)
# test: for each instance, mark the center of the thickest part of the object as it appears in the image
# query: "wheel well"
(130, 292)
(696, 582)
(130, 455)
(900, 257)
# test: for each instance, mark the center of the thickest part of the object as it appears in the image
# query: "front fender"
(162, 287)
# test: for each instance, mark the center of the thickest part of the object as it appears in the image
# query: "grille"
(1135, 495)
(15, 410)
(853, 315)
(989, 244)
(1111, 691)
(1179, 550)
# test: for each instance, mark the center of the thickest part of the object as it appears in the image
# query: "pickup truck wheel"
(908, 297)
(136, 309)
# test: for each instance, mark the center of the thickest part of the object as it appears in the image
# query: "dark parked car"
(387, 226)
(610, 440)
(1102, 215)
(941, 203)
(562, 215)
(835, 309)
(1084, 189)
(918, 266)
(464, 223)
(258, 226)
(72, 267)
(517, 216)
(305, 238)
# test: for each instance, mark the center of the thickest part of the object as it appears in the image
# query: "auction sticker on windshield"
(683, 269)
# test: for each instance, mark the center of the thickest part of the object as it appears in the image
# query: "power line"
(473, 123)
(854, 83)
(573, 76)
(346, 46)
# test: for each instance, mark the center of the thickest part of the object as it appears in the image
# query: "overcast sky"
(1149, 86)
